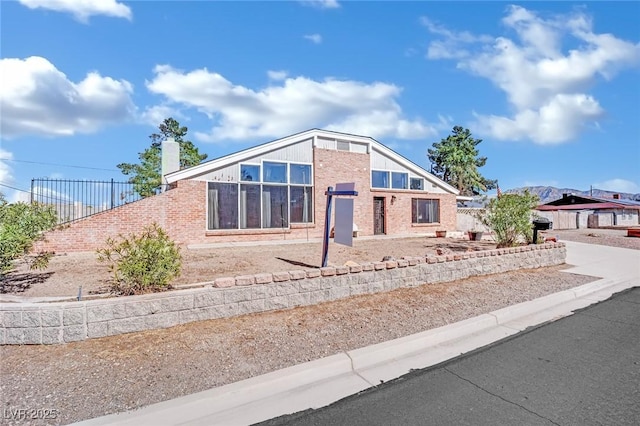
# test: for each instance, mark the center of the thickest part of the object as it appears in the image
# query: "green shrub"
(21, 225)
(142, 263)
(510, 218)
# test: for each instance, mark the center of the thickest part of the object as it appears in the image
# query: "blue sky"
(552, 88)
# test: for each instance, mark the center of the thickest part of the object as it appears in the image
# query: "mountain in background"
(550, 193)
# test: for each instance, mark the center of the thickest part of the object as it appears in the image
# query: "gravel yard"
(96, 377)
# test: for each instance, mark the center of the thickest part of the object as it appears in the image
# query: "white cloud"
(6, 176)
(82, 10)
(277, 75)
(37, 98)
(289, 106)
(450, 47)
(314, 38)
(559, 120)
(321, 4)
(618, 185)
(546, 87)
(156, 114)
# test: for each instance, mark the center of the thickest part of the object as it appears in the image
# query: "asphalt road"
(580, 370)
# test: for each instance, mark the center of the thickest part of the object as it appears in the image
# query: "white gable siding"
(225, 174)
(382, 162)
(301, 152)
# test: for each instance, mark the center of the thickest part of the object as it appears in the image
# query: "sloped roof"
(583, 202)
(299, 137)
(586, 206)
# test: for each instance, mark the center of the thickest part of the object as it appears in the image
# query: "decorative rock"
(224, 282)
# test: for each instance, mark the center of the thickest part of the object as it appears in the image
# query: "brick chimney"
(616, 196)
(170, 160)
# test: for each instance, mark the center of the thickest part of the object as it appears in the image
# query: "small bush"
(510, 218)
(142, 263)
(21, 225)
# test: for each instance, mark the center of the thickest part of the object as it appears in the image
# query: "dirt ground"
(95, 377)
(67, 272)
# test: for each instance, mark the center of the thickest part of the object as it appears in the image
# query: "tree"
(509, 217)
(455, 160)
(21, 225)
(145, 176)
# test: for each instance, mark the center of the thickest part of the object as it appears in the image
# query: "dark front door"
(378, 216)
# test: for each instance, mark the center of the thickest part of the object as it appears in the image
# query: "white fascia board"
(414, 167)
(464, 198)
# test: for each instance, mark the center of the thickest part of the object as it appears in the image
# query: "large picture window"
(274, 172)
(268, 195)
(223, 205)
(425, 211)
(250, 206)
(399, 180)
(301, 204)
(417, 183)
(379, 179)
(300, 174)
(250, 172)
(275, 207)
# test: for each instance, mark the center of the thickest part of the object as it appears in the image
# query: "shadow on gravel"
(20, 282)
(297, 263)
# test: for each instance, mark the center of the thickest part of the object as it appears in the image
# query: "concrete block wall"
(63, 322)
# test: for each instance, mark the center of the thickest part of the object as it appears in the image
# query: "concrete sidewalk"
(318, 383)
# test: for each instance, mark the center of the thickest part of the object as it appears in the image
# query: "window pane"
(275, 207)
(250, 173)
(399, 180)
(222, 206)
(249, 206)
(342, 146)
(417, 183)
(301, 204)
(425, 211)
(379, 179)
(275, 172)
(300, 174)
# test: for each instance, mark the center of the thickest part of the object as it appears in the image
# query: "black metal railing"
(75, 199)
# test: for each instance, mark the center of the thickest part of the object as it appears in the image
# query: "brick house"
(580, 211)
(277, 190)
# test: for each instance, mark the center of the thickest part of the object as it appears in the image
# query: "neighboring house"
(577, 211)
(276, 191)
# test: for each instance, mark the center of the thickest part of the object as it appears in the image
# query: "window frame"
(388, 177)
(261, 184)
(258, 165)
(415, 210)
(406, 181)
(414, 178)
(286, 172)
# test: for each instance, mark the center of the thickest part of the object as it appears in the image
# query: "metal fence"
(75, 199)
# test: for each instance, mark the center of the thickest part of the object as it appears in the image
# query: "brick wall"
(182, 211)
(332, 167)
(61, 322)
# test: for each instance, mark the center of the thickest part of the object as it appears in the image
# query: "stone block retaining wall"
(61, 322)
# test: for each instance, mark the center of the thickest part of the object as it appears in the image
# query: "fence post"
(113, 194)
(31, 193)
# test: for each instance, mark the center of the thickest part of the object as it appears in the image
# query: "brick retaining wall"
(61, 322)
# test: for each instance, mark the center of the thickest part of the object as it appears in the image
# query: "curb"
(321, 382)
